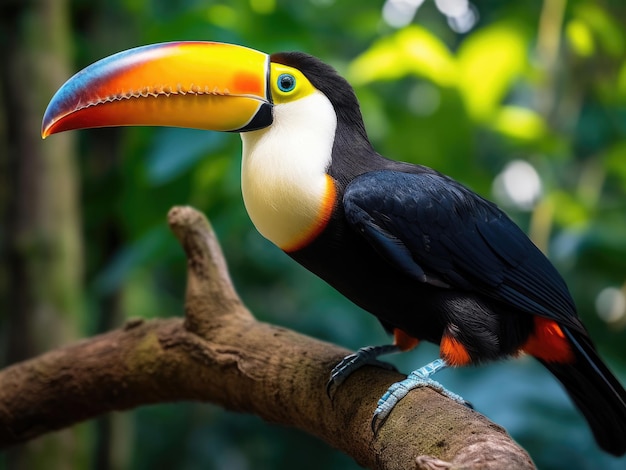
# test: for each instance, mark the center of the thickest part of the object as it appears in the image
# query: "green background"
(539, 81)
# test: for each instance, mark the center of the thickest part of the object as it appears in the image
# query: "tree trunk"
(42, 252)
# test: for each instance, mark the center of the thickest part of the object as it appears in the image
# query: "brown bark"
(220, 353)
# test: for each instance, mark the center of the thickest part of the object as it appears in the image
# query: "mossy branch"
(220, 354)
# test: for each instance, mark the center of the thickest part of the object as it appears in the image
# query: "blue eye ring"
(286, 82)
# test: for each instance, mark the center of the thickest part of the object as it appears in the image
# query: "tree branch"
(219, 353)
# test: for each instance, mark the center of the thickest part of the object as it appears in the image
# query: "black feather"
(596, 393)
(460, 238)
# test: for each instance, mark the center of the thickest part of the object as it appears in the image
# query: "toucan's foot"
(416, 379)
(364, 356)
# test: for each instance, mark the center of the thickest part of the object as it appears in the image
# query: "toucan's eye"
(286, 82)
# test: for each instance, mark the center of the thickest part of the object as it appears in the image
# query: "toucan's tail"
(595, 391)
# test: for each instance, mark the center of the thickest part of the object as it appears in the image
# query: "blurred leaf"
(410, 51)
(489, 62)
(621, 83)
(569, 211)
(133, 256)
(609, 32)
(580, 38)
(175, 150)
(263, 7)
(519, 123)
(615, 161)
(222, 15)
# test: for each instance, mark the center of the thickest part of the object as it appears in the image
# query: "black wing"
(441, 233)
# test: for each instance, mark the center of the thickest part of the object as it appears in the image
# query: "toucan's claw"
(416, 379)
(352, 362)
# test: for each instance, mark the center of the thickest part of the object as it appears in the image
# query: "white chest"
(286, 190)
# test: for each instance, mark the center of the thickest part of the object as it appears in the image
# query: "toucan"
(431, 259)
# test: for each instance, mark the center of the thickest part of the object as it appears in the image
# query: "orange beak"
(202, 85)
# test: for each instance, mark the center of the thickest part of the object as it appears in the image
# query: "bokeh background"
(522, 101)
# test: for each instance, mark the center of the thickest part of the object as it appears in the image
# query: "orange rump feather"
(547, 342)
(453, 352)
(403, 340)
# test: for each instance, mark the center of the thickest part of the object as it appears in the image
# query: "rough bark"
(220, 353)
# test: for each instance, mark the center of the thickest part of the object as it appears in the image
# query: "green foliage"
(528, 82)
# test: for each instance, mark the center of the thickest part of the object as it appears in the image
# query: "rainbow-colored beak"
(203, 85)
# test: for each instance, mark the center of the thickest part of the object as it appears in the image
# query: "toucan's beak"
(204, 85)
